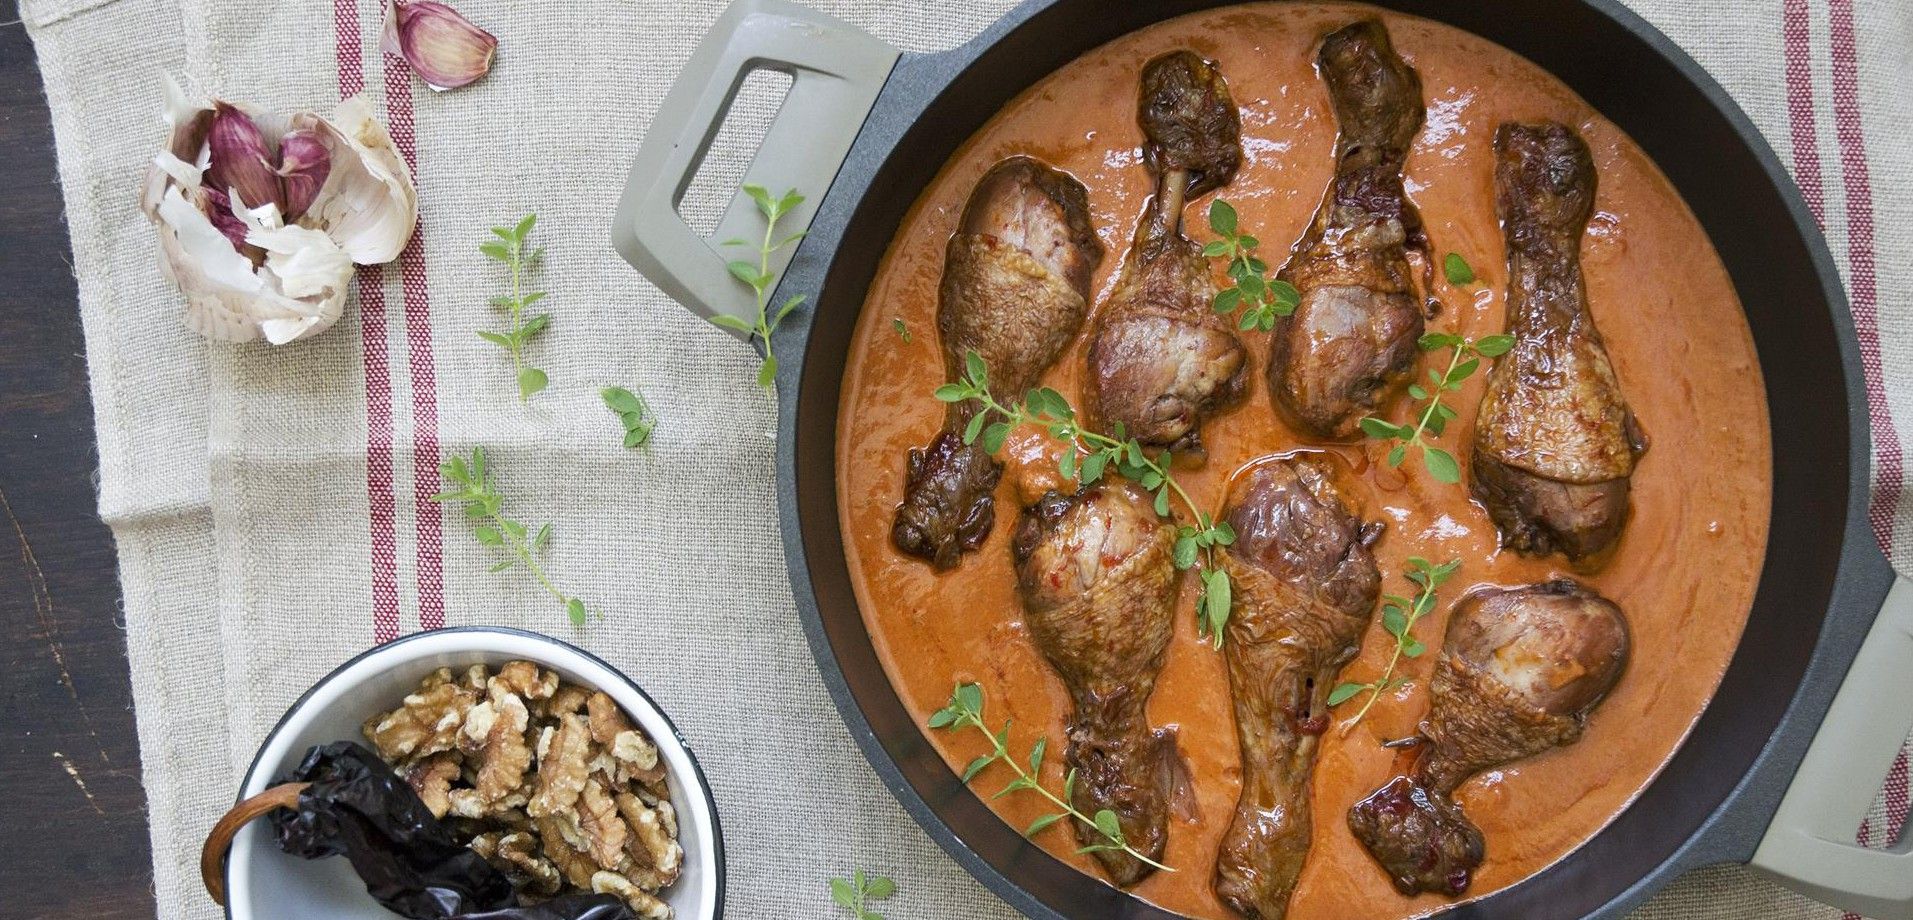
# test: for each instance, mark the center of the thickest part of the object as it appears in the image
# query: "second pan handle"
(1810, 845)
(836, 72)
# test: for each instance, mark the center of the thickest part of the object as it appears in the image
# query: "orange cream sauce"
(1684, 572)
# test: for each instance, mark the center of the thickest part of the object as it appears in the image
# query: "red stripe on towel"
(1863, 286)
(345, 38)
(380, 493)
(1895, 794)
(1800, 118)
(418, 338)
(379, 498)
(1897, 798)
(1885, 504)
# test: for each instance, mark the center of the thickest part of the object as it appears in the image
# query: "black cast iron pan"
(1760, 780)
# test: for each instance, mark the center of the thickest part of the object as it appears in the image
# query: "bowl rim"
(713, 904)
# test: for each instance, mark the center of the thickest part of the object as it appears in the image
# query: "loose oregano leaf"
(1457, 269)
(633, 413)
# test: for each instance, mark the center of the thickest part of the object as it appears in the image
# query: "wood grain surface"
(72, 814)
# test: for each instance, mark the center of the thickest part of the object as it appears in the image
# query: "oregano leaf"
(1344, 692)
(1457, 269)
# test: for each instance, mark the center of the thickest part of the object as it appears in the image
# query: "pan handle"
(1810, 845)
(836, 72)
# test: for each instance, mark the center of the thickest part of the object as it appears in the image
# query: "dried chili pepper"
(355, 806)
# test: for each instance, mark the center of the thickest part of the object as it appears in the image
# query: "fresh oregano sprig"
(485, 509)
(1260, 298)
(633, 411)
(758, 276)
(965, 710)
(1399, 616)
(509, 248)
(1091, 455)
(854, 893)
(1435, 415)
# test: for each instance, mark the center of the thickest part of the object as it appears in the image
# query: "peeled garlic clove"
(241, 159)
(443, 47)
(304, 164)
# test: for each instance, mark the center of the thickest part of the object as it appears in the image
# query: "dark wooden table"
(72, 814)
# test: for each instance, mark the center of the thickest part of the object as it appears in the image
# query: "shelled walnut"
(553, 782)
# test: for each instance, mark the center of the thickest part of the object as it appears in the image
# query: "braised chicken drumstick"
(1161, 358)
(1518, 674)
(1555, 443)
(1015, 290)
(1351, 340)
(1098, 586)
(1305, 589)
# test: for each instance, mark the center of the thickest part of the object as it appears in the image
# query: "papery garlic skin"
(228, 298)
(312, 269)
(282, 280)
(369, 205)
(443, 47)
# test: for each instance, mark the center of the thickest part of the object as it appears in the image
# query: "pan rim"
(1727, 832)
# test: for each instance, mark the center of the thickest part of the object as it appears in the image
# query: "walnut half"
(556, 785)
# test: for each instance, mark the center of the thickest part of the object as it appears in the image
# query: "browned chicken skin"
(1351, 341)
(1555, 443)
(1161, 358)
(1519, 672)
(1015, 290)
(1305, 589)
(1099, 590)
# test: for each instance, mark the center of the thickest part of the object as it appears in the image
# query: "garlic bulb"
(329, 194)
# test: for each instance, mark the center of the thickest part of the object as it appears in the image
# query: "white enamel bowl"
(263, 883)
